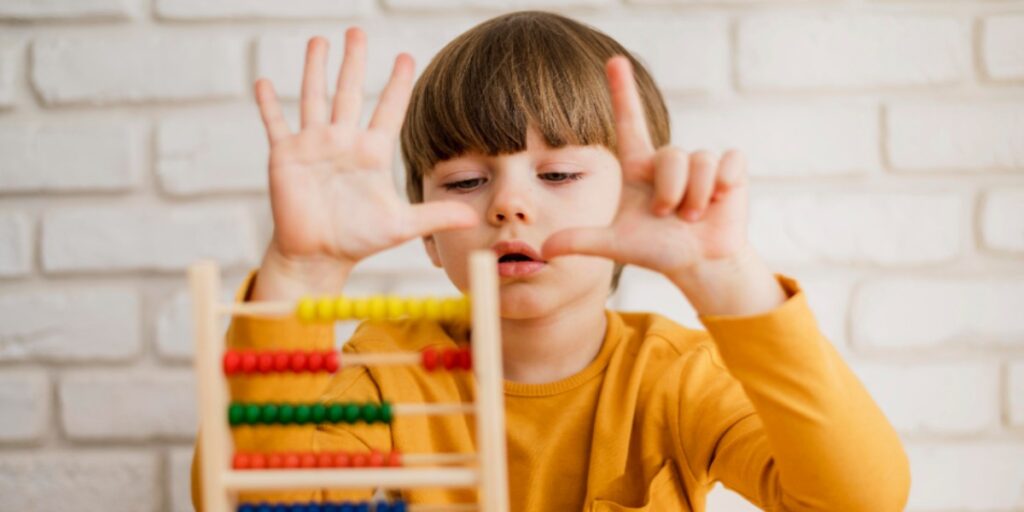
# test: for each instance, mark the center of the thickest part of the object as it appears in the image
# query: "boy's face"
(529, 196)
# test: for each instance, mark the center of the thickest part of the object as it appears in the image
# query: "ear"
(431, 247)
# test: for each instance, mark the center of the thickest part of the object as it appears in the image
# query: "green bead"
(352, 413)
(335, 413)
(370, 413)
(385, 412)
(270, 413)
(236, 414)
(302, 414)
(318, 412)
(285, 414)
(252, 414)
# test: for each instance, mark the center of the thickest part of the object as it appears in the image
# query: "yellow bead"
(307, 309)
(414, 308)
(343, 308)
(360, 308)
(396, 307)
(432, 309)
(451, 309)
(378, 307)
(325, 309)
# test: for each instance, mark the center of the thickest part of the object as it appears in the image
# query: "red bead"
(331, 361)
(341, 460)
(257, 461)
(466, 359)
(324, 460)
(292, 460)
(241, 461)
(275, 461)
(376, 459)
(429, 359)
(231, 362)
(308, 460)
(248, 362)
(359, 460)
(395, 459)
(448, 358)
(298, 361)
(316, 361)
(281, 361)
(266, 362)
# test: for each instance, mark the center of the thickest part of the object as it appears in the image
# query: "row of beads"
(301, 414)
(245, 361)
(449, 358)
(381, 307)
(327, 506)
(373, 459)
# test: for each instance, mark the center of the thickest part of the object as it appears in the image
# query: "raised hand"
(677, 210)
(331, 189)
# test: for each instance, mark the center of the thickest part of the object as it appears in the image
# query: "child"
(543, 139)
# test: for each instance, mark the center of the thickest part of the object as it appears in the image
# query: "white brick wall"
(886, 149)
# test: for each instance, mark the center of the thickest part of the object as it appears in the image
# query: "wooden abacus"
(225, 474)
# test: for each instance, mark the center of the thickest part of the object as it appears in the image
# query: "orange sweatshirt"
(762, 403)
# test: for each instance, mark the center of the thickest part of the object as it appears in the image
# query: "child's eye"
(462, 185)
(555, 177)
(562, 176)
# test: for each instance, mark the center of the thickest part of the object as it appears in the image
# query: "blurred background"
(886, 148)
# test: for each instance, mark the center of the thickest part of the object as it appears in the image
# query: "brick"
(235, 9)
(70, 156)
(132, 68)
(24, 405)
(212, 155)
(976, 475)
(407, 258)
(859, 50)
(16, 244)
(1015, 394)
(1002, 220)
(722, 499)
(888, 229)
(836, 139)
(145, 238)
(953, 136)
(913, 313)
(66, 9)
(107, 480)
(128, 405)
(11, 66)
(280, 57)
(179, 480)
(935, 398)
(175, 336)
(69, 324)
(1002, 46)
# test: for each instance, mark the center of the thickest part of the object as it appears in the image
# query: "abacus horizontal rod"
(259, 308)
(452, 408)
(298, 479)
(380, 359)
(419, 459)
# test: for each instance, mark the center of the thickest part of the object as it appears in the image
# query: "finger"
(270, 111)
(348, 99)
(700, 185)
(671, 169)
(434, 216)
(732, 173)
(394, 99)
(587, 241)
(314, 89)
(633, 139)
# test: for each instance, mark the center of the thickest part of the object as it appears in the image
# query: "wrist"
(281, 277)
(741, 284)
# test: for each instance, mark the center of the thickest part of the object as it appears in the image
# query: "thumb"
(587, 241)
(427, 218)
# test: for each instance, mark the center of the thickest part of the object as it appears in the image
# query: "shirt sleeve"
(804, 434)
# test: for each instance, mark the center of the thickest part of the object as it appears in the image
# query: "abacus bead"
(291, 460)
(325, 309)
(264, 507)
(378, 308)
(282, 507)
(317, 413)
(448, 358)
(360, 308)
(281, 361)
(342, 460)
(396, 307)
(335, 413)
(313, 507)
(382, 506)
(395, 459)
(269, 413)
(398, 506)
(231, 362)
(414, 308)
(257, 461)
(302, 414)
(429, 358)
(385, 412)
(330, 506)
(362, 507)
(359, 460)
(307, 309)
(370, 413)
(432, 309)
(352, 413)
(376, 459)
(266, 362)
(342, 308)
(236, 414)
(308, 460)
(298, 507)
(298, 362)
(346, 506)
(451, 309)
(285, 414)
(324, 460)
(315, 361)
(240, 461)
(275, 461)
(248, 362)
(246, 507)
(253, 414)
(466, 359)
(331, 361)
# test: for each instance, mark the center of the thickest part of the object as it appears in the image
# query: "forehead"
(536, 149)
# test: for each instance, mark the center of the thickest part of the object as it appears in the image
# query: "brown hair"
(526, 68)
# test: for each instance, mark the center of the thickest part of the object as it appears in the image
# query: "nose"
(510, 203)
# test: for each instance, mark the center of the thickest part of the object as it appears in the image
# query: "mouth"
(517, 259)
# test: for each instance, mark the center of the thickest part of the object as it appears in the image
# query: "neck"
(555, 346)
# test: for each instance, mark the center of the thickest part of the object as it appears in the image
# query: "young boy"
(544, 140)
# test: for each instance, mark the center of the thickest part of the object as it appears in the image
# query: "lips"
(517, 258)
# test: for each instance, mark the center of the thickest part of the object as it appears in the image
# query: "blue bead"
(282, 507)
(300, 507)
(382, 506)
(246, 507)
(330, 506)
(347, 506)
(362, 507)
(398, 506)
(265, 507)
(314, 507)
